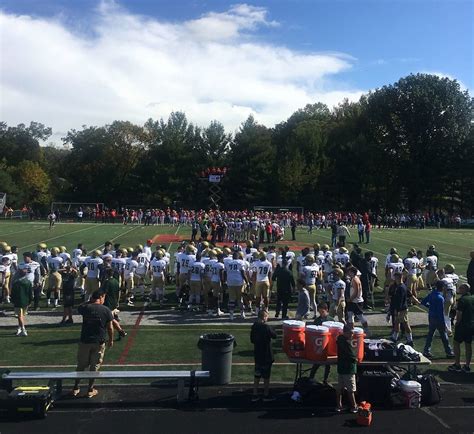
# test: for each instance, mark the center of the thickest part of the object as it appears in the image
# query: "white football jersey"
(54, 263)
(216, 268)
(338, 289)
(262, 270)
(158, 267)
(309, 274)
(234, 269)
(92, 265)
(196, 271)
(130, 268)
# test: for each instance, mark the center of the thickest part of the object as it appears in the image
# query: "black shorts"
(263, 371)
(462, 334)
(68, 298)
(354, 308)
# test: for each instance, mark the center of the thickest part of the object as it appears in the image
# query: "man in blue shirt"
(435, 302)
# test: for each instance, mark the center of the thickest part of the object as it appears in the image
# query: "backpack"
(430, 390)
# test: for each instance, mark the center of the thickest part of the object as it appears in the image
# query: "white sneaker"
(18, 332)
(23, 333)
(219, 312)
(242, 315)
(8, 299)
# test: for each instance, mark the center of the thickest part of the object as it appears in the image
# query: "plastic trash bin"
(216, 349)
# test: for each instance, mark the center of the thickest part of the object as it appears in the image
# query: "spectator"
(463, 329)
(261, 336)
(21, 297)
(285, 286)
(435, 303)
(96, 324)
(346, 369)
(368, 230)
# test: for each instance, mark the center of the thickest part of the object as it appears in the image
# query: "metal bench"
(55, 379)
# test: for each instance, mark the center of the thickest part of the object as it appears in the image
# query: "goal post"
(280, 209)
(69, 210)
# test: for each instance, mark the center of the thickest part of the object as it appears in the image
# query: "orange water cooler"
(335, 329)
(316, 343)
(294, 339)
(358, 343)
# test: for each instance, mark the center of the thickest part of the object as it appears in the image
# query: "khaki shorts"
(339, 310)
(129, 285)
(262, 289)
(235, 292)
(55, 281)
(346, 381)
(138, 279)
(157, 282)
(90, 356)
(21, 311)
(6, 281)
(216, 288)
(412, 282)
(402, 317)
(92, 284)
(195, 287)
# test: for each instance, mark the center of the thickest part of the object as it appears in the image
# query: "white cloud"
(444, 75)
(134, 67)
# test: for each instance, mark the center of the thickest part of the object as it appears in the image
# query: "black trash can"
(216, 351)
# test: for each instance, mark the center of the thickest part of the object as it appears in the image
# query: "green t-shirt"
(346, 359)
(466, 306)
(21, 294)
(112, 293)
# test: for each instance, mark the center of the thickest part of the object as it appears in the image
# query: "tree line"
(408, 146)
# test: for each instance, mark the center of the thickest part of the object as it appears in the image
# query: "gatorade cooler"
(316, 344)
(358, 343)
(335, 329)
(411, 391)
(294, 339)
(364, 414)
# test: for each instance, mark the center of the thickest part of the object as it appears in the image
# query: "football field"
(164, 336)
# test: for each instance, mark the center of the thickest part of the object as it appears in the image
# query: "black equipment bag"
(375, 385)
(430, 389)
(33, 401)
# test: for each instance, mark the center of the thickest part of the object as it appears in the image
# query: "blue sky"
(338, 47)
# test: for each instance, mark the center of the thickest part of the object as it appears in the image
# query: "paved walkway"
(171, 317)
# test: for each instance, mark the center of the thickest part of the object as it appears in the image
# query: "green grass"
(51, 345)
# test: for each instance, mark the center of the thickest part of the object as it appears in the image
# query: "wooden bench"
(55, 379)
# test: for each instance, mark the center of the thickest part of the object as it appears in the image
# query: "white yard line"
(117, 237)
(59, 236)
(430, 413)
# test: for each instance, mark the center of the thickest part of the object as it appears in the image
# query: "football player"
(217, 280)
(131, 266)
(262, 276)
(33, 274)
(235, 276)
(92, 263)
(310, 273)
(195, 277)
(55, 263)
(157, 272)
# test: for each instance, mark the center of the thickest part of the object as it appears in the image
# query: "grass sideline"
(48, 345)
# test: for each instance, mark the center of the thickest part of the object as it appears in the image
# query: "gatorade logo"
(318, 343)
(355, 343)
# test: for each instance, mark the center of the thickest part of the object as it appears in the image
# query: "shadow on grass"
(52, 342)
